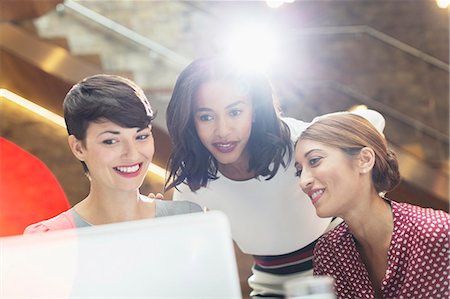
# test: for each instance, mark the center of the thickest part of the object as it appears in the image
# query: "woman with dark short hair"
(109, 120)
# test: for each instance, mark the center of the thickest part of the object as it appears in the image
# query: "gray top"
(163, 208)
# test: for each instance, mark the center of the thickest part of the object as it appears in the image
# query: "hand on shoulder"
(157, 195)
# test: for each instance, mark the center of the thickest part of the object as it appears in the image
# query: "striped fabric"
(271, 272)
(271, 296)
(289, 263)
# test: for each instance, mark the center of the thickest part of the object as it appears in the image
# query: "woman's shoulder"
(61, 221)
(334, 237)
(296, 127)
(423, 220)
(171, 207)
(420, 214)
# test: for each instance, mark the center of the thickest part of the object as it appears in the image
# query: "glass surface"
(310, 287)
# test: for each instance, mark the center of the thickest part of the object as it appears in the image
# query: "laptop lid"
(183, 256)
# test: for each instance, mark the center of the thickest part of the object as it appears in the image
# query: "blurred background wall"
(322, 56)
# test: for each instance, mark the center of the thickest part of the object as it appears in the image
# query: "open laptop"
(184, 256)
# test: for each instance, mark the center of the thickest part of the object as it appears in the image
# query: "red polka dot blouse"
(418, 257)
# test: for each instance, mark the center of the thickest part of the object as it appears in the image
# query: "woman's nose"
(130, 150)
(306, 180)
(223, 127)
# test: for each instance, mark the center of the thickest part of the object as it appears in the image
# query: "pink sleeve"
(62, 221)
(36, 228)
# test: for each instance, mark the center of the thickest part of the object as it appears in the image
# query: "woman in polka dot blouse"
(383, 249)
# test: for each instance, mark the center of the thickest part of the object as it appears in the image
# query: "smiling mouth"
(128, 169)
(225, 147)
(315, 196)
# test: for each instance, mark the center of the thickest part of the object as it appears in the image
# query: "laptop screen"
(183, 256)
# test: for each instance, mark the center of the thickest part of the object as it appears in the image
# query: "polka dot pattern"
(418, 257)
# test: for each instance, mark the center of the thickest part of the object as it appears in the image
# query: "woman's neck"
(371, 222)
(103, 206)
(236, 173)
(372, 230)
(239, 170)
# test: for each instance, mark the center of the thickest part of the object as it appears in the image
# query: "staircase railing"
(181, 61)
(154, 47)
(383, 37)
(389, 111)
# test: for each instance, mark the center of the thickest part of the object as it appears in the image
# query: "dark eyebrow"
(118, 133)
(310, 151)
(202, 110)
(227, 107)
(141, 129)
(235, 103)
(109, 132)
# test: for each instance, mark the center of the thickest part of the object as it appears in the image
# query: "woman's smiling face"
(328, 176)
(117, 157)
(223, 120)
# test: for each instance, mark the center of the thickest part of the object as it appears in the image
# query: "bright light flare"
(277, 3)
(443, 3)
(274, 3)
(253, 47)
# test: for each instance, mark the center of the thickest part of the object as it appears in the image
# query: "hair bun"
(392, 172)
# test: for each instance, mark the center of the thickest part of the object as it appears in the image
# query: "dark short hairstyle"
(111, 97)
(190, 162)
(351, 133)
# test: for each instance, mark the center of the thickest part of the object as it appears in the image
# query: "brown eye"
(205, 117)
(142, 137)
(109, 141)
(313, 162)
(235, 112)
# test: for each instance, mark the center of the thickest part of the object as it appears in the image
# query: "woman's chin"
(323, 214)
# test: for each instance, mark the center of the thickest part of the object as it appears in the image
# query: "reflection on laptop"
(184, 256)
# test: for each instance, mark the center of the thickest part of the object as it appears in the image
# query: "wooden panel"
(24, 71)
(12, 10)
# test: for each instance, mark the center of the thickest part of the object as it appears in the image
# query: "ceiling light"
(252, 46)
(443, 3)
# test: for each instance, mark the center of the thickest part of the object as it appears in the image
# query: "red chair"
(29, 192)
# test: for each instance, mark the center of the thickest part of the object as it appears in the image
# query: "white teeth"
(316, 193)
(128, 169)
(224, 145)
